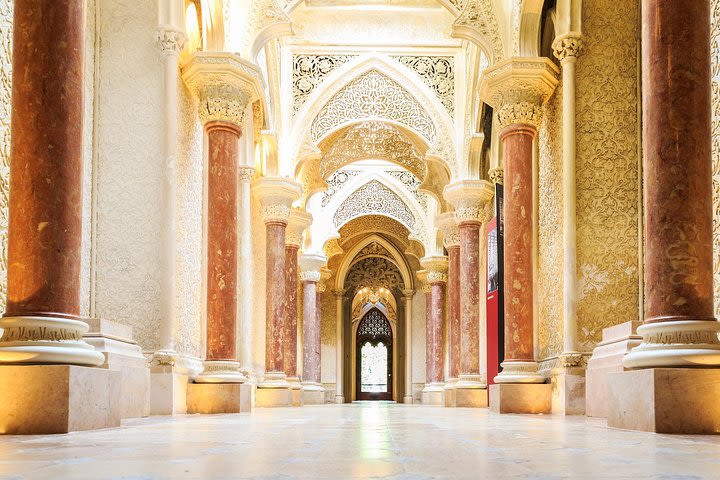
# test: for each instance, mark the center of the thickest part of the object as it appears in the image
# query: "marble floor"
(368, 440)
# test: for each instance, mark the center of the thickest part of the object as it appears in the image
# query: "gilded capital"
(447, 224)
(276, 195)
(517, 88)
(496, 175)
(169, 40)
(298, 221)
(469, 197)
(568, 45)
(436, 269)
(224, 83)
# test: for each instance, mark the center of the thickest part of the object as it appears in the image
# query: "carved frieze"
(374, 198)
(309, 71)
(437, 72)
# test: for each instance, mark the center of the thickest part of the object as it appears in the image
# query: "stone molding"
(450, 229)
(496, 175)
(224, 84)
(568, 46)
(310, 276)
(170, 41)
(276, 195)
(298, 221)
(685, 343)
(470, 198)
(517, 88)
(436, 268)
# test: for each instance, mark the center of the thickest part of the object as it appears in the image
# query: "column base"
(170, 374)
(568, 391)
(451, 393)
(220, 371)
(519, 372)
(665, 400)
(121, 353)
(690, 343)
(339, 399)
(46, 399)
(296, 391)
(273, 391)
(433, 394)
(313, 393)
(607, 358)
(408, 399)
(19, 344)
(521, 398)
(211, 398)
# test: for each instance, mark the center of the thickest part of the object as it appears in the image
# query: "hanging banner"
(494, 290)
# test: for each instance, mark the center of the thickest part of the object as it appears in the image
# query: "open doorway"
(374, 344)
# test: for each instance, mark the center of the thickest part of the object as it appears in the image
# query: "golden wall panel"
(6, 7)
(608, 168)
(715, 45)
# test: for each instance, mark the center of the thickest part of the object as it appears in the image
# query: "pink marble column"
(311, 332)
(435, 333)
(469, 297)
(42, 321)
(291, 315)
(275, 300)
(680, 327)
(453, 305)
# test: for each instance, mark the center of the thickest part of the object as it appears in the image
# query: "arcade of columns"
(42, 343)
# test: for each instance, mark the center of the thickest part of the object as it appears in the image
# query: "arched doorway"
(374, 343)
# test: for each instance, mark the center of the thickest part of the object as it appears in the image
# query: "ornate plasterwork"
(450, 230)
(375, 223)
(437, 72)
(608, 168)
(715, 65)
(373, 95)
(570, 44)
(374, 273)
(335, 182)
(5, 89)
(374, 198)
(170, 41)
(309, 71)
(412, 183)
(496, 175)
(373, 249)
(478, 23)
(373, 140)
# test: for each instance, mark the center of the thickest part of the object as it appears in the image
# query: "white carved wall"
(6, 30)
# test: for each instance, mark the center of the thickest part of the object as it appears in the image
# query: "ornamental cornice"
(298, 221)
(469, 197)
(436, 268)
(447, 224)
(224, 84)
(568, 46)
(170, 41)
(517, 88)
(276, 195)
(496, 175)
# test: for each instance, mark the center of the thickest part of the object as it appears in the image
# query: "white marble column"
(408, 298)
(170, 42)
(339, 305)
(245, 295)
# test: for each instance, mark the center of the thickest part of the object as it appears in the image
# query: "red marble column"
(46, 159)
(469, 297)
(311, 332)
(275, 303)
(680, 328)
(222, 240)
(435, 333)
(453, 305)
(291, 315)
(518, 206)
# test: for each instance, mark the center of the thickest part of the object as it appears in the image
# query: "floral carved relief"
(374, 198)
(715, 65)
(309, 71)
(6, 30)
(436, 72)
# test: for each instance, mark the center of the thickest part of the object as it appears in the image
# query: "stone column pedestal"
(471, 198)
(276, 196)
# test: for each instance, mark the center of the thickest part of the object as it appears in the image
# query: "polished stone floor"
(367, 440)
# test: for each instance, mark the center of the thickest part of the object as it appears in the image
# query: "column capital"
(436, 268)
(325, 274)
(448, 225)
(469, 198)
(408, 294)
(496, 175)
(225, 85)
(311, 266)
(169, 40)
(422, 276)
(297, 223)
(568, 46)
(517, 88)
(339, 293)
(276, 195)
(245, 173)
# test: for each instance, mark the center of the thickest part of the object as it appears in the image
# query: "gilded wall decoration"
(715, 65)
(373, 95)
(373, 273)
(6, 31)
(373, 249)
(373, 140)
(437, 72)
(550, 235)
(309, 71)
(608, 196)
(335, 182)
(374, 198)
(375, 223)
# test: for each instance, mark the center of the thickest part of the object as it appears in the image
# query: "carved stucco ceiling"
(373, 140)
(373, 95)
(374, 198)
(437, 72)
(309, 71)
(375, 224)
(373, 273)
(373, 249)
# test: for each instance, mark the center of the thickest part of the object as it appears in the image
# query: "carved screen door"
(374, 340)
